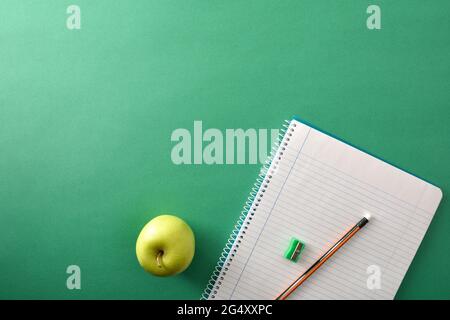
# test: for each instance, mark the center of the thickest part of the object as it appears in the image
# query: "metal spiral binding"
(256, 192)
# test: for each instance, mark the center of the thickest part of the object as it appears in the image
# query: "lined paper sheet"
(318, 189)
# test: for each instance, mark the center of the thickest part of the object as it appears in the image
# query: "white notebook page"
(318, 190)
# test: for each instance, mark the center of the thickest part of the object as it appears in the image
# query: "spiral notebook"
(314, 187)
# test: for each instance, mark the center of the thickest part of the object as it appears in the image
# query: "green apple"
(165, 246)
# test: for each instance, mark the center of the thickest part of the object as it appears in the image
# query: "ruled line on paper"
(287, 177)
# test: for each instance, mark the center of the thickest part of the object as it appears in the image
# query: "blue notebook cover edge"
(306, 122)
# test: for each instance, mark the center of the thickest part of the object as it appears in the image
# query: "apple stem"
(158, 258)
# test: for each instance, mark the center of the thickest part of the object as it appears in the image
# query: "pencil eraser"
(294, 250)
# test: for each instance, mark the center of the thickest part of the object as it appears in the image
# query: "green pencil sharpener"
(294, 250)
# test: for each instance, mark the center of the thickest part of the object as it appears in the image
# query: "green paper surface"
(86, 118)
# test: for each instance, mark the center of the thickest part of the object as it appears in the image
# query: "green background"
(86, 117)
